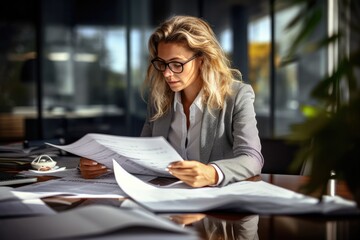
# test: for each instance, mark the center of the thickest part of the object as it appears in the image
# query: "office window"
(293, 82)
(17, 66)
(83, 69)
(259, 59)
(69, 67)
(280, 91)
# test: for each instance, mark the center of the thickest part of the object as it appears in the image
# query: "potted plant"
(330, 134)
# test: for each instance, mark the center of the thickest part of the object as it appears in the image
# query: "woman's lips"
(171, 82)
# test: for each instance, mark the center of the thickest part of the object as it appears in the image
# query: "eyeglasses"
(174, 66)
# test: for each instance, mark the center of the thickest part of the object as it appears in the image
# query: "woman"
(198, 105)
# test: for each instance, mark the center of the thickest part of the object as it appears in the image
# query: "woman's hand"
(194, 173)
(187, 219)
(91, 169)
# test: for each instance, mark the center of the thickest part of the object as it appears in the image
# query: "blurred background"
(70, 67)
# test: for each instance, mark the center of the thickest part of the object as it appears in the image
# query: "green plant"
(330, 135)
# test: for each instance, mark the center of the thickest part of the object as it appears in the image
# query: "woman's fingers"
(87, 162)
(91, 169)
(93, 173)
(193, 173)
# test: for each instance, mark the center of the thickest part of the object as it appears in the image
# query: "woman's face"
(189, 78)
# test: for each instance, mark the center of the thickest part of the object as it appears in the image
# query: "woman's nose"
(167, 72)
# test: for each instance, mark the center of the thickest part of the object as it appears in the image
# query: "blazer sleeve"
(159, 127)
(247, 160)
(147, 127)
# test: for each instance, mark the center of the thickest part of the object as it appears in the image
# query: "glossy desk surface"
(218, 225)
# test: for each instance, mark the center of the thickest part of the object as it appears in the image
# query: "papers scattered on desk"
(16, 157)
(15, 163)
(94, 221)
(60, 172)
(48, 172)
(12, 179)
(75, 186)
(21, 204)
(72, 185)
(246, 196)
(139, 155)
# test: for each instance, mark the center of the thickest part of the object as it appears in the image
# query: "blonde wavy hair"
(215, 71)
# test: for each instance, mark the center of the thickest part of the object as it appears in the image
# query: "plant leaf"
(323, 43)
(309, 27)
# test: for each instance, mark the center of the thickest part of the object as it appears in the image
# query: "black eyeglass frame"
(167, 64)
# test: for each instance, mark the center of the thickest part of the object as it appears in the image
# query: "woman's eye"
(176, 65)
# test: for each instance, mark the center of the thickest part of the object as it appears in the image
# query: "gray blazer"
(229, 137)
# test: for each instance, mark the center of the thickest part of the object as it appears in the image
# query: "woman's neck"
(189, 94)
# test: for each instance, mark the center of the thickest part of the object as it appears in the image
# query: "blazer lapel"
(208, 132)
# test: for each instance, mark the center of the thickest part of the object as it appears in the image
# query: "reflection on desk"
(214, 227)
(94, 222)
(237, 226)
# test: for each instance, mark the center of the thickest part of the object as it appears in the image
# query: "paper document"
(246, 196)
(94, 221)
(74, 186)
(17, 204)
(139, 155)
(102, 187)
